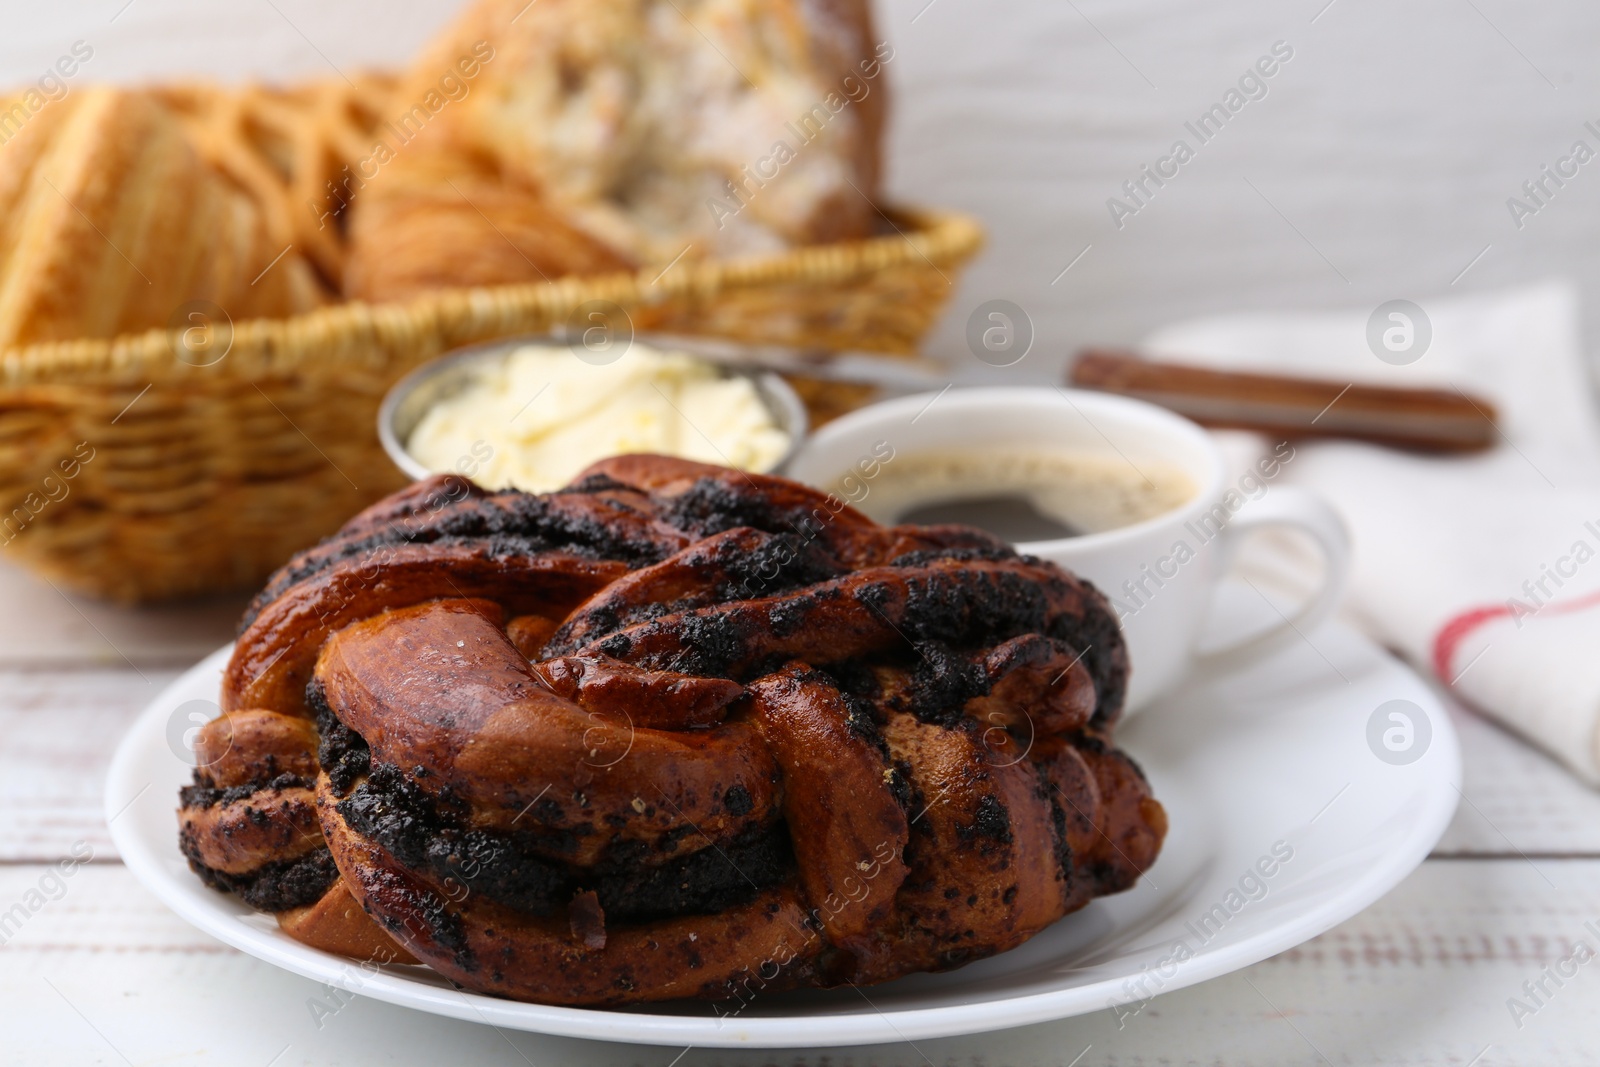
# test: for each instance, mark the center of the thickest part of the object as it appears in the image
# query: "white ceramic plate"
(1280, 760)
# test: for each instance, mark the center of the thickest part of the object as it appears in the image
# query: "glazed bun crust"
(668, 732)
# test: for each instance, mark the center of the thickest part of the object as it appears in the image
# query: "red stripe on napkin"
(1452, 633)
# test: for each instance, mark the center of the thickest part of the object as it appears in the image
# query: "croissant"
(111, 223)
(673, 731)
(452, 218)
(622, 133)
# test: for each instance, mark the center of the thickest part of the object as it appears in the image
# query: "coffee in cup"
(1033, 493)
(1128, 495)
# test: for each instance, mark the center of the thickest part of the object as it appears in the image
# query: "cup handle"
(1303, 510)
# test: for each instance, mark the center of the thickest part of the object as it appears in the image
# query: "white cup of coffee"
(1132, 497)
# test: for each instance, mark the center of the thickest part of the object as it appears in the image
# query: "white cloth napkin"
(1484, 570)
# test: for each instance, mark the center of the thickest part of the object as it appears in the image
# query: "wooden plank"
(60, 729)
(50, 627)
(1517, 800)
(1422, 977)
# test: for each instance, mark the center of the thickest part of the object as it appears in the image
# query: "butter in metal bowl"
(547, 415)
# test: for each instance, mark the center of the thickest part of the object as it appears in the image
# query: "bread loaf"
(599, 134)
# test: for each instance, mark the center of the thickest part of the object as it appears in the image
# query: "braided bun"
(674, 731)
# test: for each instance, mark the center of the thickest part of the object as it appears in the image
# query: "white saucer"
(1274, 757)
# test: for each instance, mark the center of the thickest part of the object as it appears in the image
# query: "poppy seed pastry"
(673, 731)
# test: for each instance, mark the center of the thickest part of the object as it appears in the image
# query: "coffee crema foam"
(1025, 494)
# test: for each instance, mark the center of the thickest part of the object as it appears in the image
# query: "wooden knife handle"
(1430, 420)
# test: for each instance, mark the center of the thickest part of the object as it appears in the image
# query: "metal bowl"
(411, 397)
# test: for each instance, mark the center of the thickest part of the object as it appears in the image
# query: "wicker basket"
(129, 473)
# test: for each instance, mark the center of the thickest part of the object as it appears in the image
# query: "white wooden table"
(105, 974)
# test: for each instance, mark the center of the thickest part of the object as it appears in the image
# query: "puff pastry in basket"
(110, 223)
